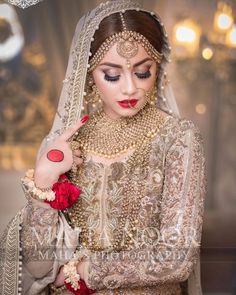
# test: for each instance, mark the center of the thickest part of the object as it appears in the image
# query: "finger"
(77, 153)
(71, 131)
(78, 160)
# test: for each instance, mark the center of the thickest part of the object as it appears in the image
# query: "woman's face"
(117, 82)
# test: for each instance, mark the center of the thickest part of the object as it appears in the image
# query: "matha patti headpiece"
(127, 46)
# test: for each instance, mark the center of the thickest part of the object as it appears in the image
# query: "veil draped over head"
(71, 102)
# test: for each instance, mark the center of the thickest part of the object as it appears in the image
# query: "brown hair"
(139, 21)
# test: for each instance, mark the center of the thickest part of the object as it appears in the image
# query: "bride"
(116, 199)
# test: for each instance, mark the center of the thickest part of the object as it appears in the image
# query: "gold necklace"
(109, 138)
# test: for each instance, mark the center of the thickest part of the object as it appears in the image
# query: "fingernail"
(84, 119)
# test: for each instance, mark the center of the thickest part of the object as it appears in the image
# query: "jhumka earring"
(92, 94)
(151, 96)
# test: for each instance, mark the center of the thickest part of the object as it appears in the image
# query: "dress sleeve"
(47, 242)
(38, 236)
(172, 259)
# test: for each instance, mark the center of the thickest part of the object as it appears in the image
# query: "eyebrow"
(120, 67)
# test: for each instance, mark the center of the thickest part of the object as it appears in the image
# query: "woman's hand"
(82, 269)
(58, 158)
(59, 281)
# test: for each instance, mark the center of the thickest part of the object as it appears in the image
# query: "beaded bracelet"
(70, 269)
(73, 282)
(71, 275)
(41, 193)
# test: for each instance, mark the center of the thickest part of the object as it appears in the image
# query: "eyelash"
(145, 75)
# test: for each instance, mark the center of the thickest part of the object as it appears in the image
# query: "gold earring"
(93, 97)
(151, 96)
(90, 81)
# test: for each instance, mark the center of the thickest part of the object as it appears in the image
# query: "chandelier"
(191, 40)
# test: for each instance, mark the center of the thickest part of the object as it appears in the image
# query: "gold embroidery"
(133, 179)
(172, 203)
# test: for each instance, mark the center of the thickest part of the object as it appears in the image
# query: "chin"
(122, 112)
(128, 111)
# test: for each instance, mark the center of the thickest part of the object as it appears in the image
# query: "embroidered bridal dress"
(140, 223)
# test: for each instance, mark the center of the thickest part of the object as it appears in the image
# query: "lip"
(128, 103)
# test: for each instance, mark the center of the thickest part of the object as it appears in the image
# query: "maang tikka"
(127, 46)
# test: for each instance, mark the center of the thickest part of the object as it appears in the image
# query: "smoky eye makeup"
(110, 75)
(143, 68)
(144, 75)
(111, 78)
(143, 72)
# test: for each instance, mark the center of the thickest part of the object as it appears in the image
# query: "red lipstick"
(127, 103)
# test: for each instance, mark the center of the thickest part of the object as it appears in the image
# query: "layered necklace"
(110, 138)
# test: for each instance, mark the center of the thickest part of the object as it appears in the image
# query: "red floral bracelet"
(83, 289)
(66, 194)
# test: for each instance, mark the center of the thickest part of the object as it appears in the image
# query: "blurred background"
(34, 48)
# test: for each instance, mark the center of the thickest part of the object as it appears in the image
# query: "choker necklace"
(110, 138)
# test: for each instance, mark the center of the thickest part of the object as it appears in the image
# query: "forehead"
(113, 56)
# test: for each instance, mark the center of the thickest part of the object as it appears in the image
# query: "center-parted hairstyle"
(92, 31)
(138, 21)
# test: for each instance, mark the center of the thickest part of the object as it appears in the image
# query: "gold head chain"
(127, 46)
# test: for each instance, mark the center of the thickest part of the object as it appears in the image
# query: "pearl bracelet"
(71, 275)
(70, 269)
(42, 193)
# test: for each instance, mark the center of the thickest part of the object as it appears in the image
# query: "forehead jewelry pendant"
(126, 47)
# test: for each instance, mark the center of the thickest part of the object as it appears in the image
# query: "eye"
(111, 78)
(144, 75)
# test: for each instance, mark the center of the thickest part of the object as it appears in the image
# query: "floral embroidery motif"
(170, 217)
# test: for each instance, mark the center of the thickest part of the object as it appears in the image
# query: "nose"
(129, 87)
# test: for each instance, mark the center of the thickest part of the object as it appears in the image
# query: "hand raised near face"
(58, 158)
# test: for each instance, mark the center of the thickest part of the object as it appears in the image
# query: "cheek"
(98, 79)
(148, 84)
(152, 81)
(154, 75)
(105, 88)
